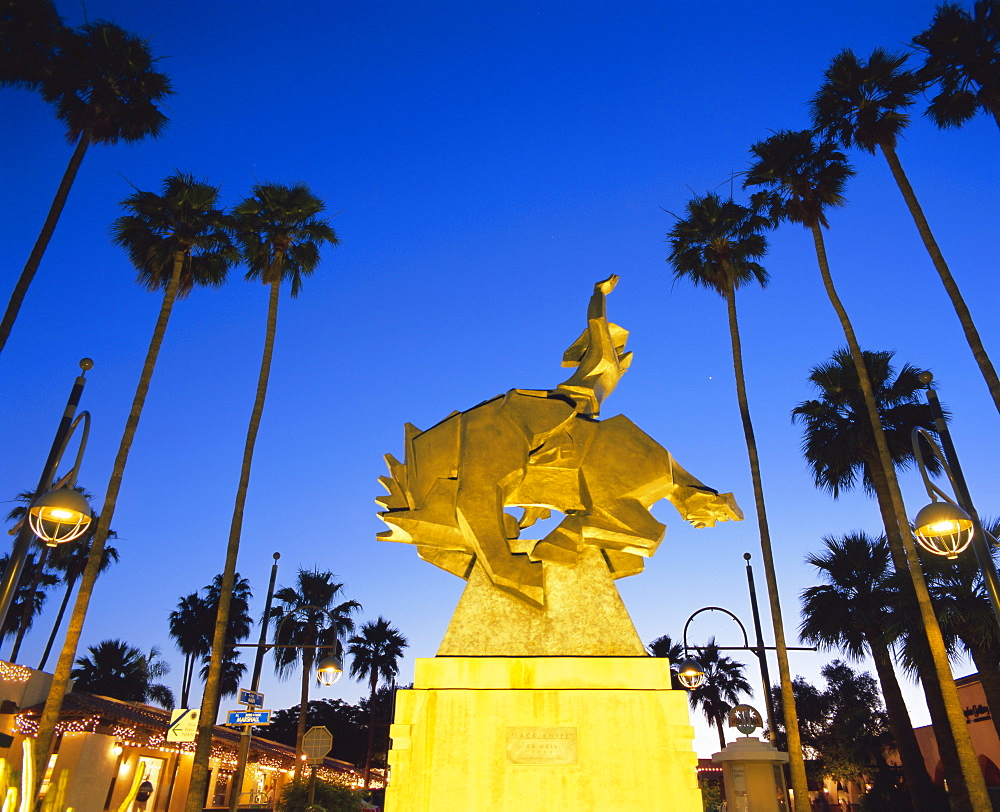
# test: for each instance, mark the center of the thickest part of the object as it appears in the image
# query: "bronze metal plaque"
(541, 746)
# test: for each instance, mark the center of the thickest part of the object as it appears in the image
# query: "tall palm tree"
(839, 446)
(807, 175)
(193, 623)
(280, 234)
(720, 692)
(664, 646)
(375, 654)
(188, 622)
(116, 669)
(105, 89)
(717, 245)
(237, 630)
(862, 103)
(962, 59)
(848, 613)
(309, 616)
(70, 560)
(176, 241)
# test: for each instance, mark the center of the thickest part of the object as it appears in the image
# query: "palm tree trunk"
(989, 678)
(971, 795)
(371, 727)
(300, 731)
(48, 227)
(55, 626)
(210, 698)
(60, 679)
(964, 316)
(796, 760)
(918, 782)
(722, 746)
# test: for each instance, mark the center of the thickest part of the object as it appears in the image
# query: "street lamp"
(947, 528)
(690, 672)
(696, 674)
(40, 516)
(329, 670)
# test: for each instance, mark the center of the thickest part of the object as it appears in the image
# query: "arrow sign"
(316, 744)
(183, 725)
(245, 717)
(251, 698)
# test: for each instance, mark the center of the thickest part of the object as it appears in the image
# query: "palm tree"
(105, 90)
(838, 443)
(176, 241)
(375, 654)
(664, 646)
(717, 246)
(308, 620)
(962, 58)
(862, 104)
(70, 560)
(848, 613)
(280, 235)
(30, 33)
(29, 599)
(720, 692)
(237, 630)
(805, 177)
(192, 625)
(114, 668)
(188, 623)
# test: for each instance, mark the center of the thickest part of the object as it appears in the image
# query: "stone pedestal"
(519, 733)
(754, 775)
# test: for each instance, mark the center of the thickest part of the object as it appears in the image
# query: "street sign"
(246, 717)
(183, 725)
(251, 698)
(316, 744)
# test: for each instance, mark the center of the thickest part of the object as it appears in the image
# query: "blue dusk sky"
(484, 164)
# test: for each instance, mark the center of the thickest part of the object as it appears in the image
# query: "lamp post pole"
(979, 536)
(772, 730)
(22, 543)
(258, 665)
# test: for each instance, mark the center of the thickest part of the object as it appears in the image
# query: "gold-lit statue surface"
(538, 451)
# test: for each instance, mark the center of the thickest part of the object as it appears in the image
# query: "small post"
(258, 664)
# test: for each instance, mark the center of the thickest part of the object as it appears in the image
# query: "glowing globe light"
(59, 516)
(329, 670)
(691, 674)
(943, 529)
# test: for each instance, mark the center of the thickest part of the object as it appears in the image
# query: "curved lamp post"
(948, 527)
(692, 675)
(50, 513)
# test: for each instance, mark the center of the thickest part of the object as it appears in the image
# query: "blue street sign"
(251, 698)
(243, 717)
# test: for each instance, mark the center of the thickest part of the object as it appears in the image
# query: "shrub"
(328, 798)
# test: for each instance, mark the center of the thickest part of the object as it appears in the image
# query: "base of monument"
(526, 733)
